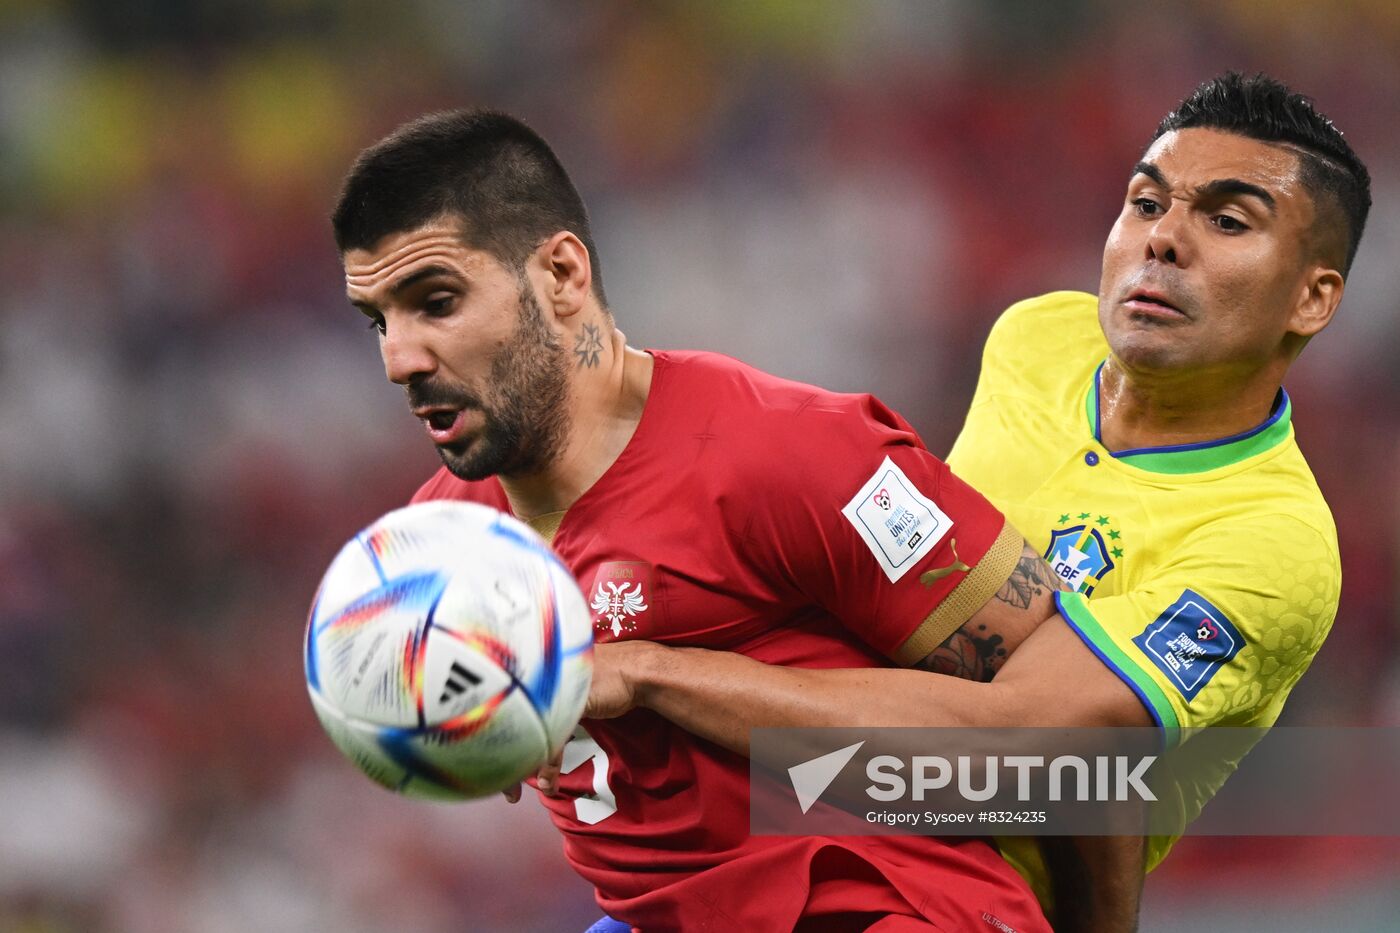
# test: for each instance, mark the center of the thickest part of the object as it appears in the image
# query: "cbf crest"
(1083, 553)
(621, 592)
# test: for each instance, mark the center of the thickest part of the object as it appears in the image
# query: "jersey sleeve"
(1223, 633)
(869, 525)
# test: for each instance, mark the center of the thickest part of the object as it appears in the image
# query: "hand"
(546, 780)
(617, 667)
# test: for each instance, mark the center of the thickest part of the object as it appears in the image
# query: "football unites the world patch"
(1190, 641)
(897, 522)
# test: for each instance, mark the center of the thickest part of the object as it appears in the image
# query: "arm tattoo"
(974, 653)
(1027, 580)
(967, 656)
(589, 346)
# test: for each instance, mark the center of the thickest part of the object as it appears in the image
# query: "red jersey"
(757, 515)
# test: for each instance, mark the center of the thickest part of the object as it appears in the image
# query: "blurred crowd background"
(192, 419)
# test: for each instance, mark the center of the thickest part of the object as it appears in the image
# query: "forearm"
(721, 696)
(1097, 881)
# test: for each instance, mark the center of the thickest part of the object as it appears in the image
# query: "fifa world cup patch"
(1190, 641)
(897, 522)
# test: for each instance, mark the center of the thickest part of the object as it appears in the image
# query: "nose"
(406, 358)
(1167, 240)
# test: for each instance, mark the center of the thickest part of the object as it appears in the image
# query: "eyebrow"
(1217, 188)
(427, 272)
(1151, 171)
(1224, 186)
(412, 279)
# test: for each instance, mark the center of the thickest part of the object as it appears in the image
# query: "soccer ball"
(448, 651)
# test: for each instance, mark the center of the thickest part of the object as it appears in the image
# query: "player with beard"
(699, 502)
(522, 403)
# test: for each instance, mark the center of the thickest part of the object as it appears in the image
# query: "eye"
(1146, 207)
(439, 304)
(1229, 224)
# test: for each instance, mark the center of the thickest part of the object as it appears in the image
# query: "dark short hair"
(1261, 108)
(487, 168)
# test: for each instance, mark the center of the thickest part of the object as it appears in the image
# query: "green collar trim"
(1207, 455)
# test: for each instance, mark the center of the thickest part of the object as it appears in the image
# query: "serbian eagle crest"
(618, 603)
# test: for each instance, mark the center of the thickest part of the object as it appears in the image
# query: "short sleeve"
(1223, 633)
(874, 529)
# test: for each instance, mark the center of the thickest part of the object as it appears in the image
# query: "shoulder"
(1044, 336)
(1252, 532)
(443, 485)
(767, 409)
(781, 440)
(686, 371)
(1278, 499)
(1276, 564)
(1276, 578)
(1069, 312)
(1037, 365)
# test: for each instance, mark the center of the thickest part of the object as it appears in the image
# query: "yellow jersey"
(1205, 576)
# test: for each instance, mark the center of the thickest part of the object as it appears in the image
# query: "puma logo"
(930, 577)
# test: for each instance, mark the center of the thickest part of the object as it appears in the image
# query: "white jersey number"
(601, 804)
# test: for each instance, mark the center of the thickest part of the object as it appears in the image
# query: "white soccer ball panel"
(487, 750)
(431, 535)
(357, 742)
(350, 576)
(368, 655)
(454, 654)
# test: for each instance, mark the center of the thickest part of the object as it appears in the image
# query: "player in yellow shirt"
(1228, 536)
(1204, 574)
(1148, 449)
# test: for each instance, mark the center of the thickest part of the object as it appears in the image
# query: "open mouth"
(441, 420)
(444, 425)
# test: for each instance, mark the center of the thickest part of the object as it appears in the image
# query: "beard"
(523, 405)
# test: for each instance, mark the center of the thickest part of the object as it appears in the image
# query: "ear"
(1321, 293)
(566, 272)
